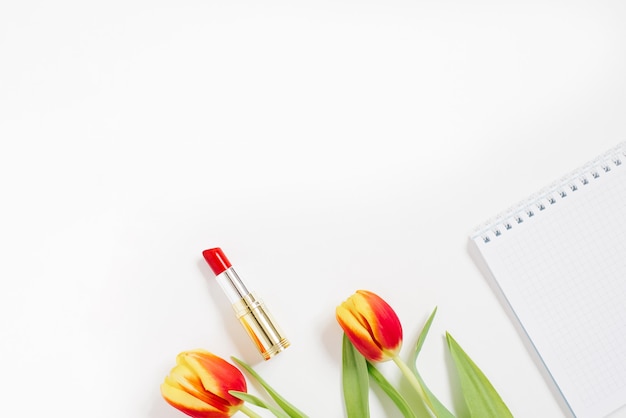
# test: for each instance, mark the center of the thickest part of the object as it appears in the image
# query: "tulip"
(371, 325)
(199, 384)
(374, 329)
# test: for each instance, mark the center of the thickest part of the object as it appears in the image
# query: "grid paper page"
(560, 261)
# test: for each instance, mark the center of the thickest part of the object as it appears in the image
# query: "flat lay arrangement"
(398, 208)
(205, 385)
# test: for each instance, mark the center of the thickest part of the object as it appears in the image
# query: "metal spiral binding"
(578, 179)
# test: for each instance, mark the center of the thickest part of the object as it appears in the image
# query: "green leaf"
(480, 396)
(436, 406)
(355, 381)
(291, 410)
(246, 397)
(420, 341)
(392, 392)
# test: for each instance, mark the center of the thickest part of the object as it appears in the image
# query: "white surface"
(326, 147)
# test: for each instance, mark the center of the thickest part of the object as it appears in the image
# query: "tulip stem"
(249, 412)
(406, 371)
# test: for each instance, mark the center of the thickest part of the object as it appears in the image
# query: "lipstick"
(249, 309)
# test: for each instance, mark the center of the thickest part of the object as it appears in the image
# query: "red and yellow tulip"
(199, 383)
(371, 325)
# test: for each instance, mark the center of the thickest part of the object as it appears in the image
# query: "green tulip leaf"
(480, 396)
(420, 341)
(435, 405)
(392, 392)
(355, 381)
(256, 401)
(291, 410)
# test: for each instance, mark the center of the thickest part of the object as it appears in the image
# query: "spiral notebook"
(559, 261)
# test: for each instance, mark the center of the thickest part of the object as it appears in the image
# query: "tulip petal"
(371, 325)
(216, 374)
(189, 404)
(384, 323)
(358, 333)
(182, 377)
(199, 383)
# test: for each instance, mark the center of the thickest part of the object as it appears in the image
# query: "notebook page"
(559, 259)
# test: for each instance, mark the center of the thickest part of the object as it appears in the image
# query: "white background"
(326, 146)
